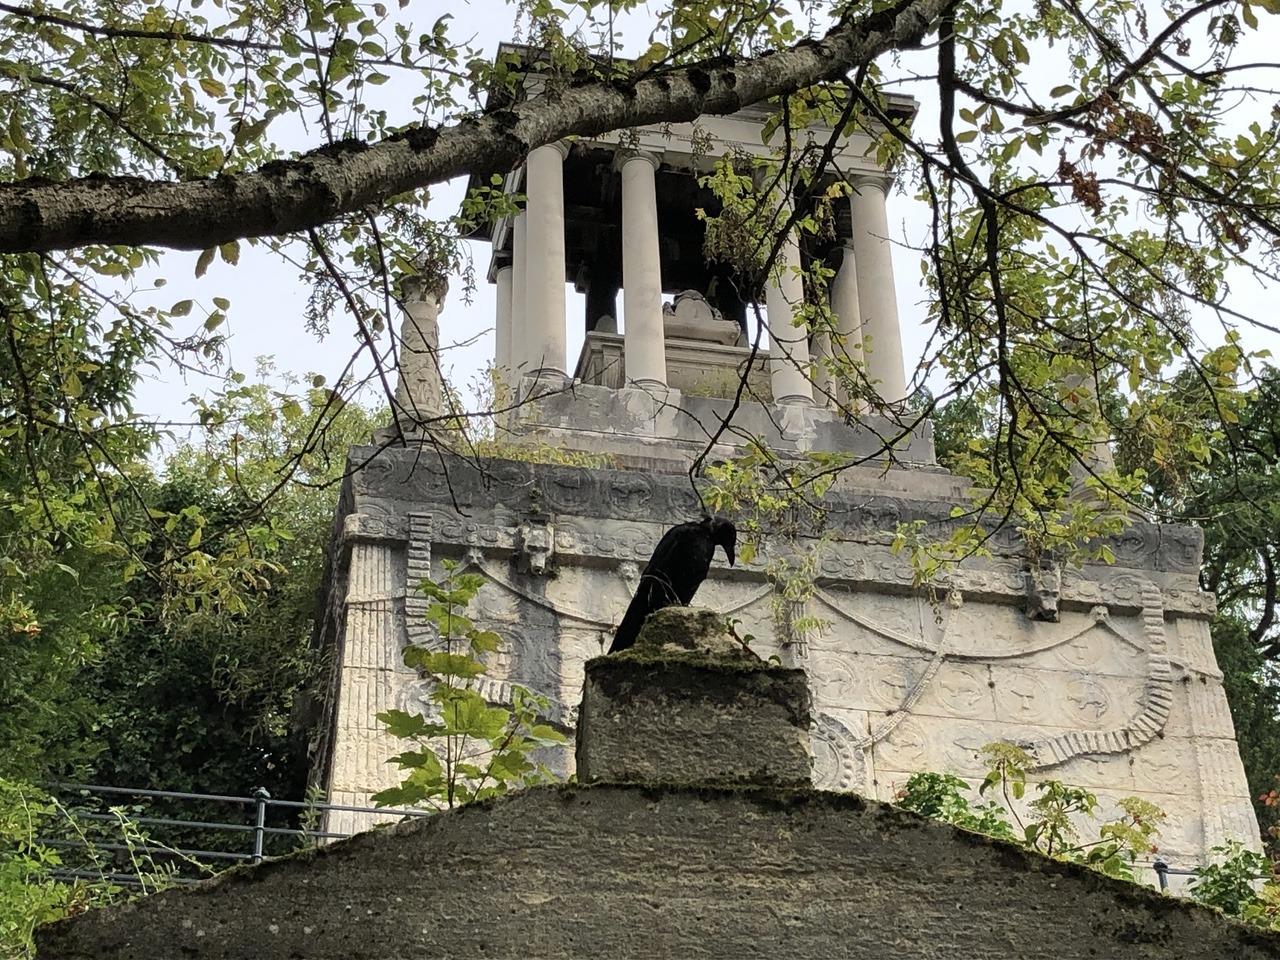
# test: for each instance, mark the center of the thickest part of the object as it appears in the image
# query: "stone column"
(644, 345)
(519, 297)
(419, 392)
(502, 324)
(788, 344)
(823, 383)
(877, 298)
(844, 304)
(544, 263)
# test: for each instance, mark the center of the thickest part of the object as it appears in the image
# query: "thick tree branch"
(290, 196)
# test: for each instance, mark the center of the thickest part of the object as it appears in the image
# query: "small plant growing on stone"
(467, 749)
(1053, 820)
(1241, 883)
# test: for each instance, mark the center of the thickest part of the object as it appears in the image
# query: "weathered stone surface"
(636, 871)
(692, 628)
(689, 704)
(902, 679)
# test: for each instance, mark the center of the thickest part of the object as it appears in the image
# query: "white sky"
(268, 300)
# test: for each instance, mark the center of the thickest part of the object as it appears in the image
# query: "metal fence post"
(1162, 871)
(261, 796)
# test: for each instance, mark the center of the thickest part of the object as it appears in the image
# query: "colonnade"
(530, 328)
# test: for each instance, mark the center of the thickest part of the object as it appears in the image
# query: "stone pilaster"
(544, 263)
(369, 661)
(877, 297)
(645, 344)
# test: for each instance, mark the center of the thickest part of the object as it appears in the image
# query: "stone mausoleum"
(1106, 673)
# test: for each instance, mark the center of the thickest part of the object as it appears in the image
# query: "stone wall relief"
(896, 656)
(971, 658)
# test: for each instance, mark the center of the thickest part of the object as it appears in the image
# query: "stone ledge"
(653, 871)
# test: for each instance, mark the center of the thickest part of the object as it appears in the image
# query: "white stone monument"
(1106, 673)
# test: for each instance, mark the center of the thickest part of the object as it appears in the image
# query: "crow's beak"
(729, 553)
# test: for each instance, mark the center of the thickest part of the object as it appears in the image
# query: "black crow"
(677, 568)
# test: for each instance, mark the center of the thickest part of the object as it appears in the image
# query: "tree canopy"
(1099, 181)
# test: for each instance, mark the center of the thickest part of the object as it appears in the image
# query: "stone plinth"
(700, 368)
(689, 704)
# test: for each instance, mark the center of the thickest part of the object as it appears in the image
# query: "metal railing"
(251, 833)
(1164, 871)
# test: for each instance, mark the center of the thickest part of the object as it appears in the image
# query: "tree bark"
(292, 195)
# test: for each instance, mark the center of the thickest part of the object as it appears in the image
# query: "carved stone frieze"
(371, 528)
(418, 569)
(460, 484)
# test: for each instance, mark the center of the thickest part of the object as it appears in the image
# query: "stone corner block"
(653, 715)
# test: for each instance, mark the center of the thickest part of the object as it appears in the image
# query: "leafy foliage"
(1243, 884)
(1053, 818)
(34, 886)
(466, 749)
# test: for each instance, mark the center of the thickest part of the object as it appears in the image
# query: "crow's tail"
(629, 629)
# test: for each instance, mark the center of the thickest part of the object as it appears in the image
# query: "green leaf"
(206, 258)
(443, 664)
(18, 136)
(214, 88)
(230, 252)
(485, 641)
(474, 718)
(425, 762)
(404, 725)
(545, 735)
(509, 765)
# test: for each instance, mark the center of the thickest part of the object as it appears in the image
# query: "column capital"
(880, 181)
(559, 147)
(424, 286)
(652, 157)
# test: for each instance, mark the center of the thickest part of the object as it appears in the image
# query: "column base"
(656, 387)
(539, 382)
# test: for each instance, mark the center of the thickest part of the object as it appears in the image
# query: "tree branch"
(294, 195)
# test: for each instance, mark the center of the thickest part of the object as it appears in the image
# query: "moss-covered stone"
(631, 871)
(689, 704)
